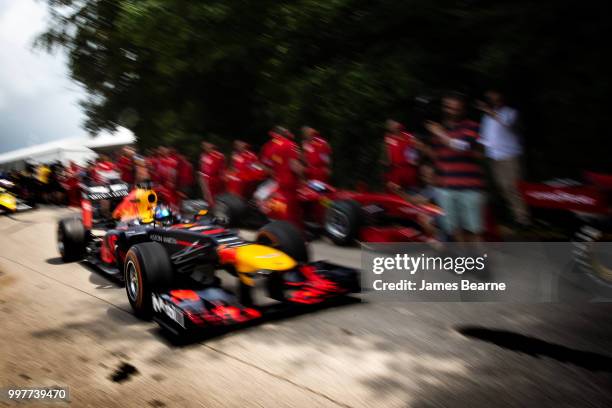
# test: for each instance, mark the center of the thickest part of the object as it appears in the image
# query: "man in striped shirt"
(457, 157)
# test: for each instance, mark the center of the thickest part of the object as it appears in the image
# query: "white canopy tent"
(79, 150)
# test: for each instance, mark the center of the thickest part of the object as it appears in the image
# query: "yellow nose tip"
(254, 257)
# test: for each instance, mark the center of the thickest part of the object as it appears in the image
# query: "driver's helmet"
(138, 205)
(164, 215)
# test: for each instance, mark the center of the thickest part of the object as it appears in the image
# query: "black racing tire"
(342, 221)
(285, 237)
(147, 269)
(71, 239)
(229, 210)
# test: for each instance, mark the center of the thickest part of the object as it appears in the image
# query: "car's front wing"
(181, 310)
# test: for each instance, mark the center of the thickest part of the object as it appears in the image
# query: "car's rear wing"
(106, 192)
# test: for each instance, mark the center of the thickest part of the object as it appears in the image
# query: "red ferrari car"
(582, 212)
(343, 215)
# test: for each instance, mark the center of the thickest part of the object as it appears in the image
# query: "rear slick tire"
(71, 239)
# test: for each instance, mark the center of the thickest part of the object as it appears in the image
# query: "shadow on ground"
(55, 261)
(539, 348)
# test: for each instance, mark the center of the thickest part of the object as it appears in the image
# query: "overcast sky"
(38, 101)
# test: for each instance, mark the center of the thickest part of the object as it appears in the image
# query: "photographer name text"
(427, 286)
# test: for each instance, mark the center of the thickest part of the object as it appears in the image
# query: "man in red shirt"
(265, 156)
(282, 156)
(400, 157)
(141, 170)
(317, 155)
(185, 175)
(152, 164)
(243, 159)
(245, 171)
(73, 180)
(166, 169)
(182, 175)
(125, 163)
(212, 172)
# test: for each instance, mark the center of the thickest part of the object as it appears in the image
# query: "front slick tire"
(285, 237)
(229, 210)
(147, 269)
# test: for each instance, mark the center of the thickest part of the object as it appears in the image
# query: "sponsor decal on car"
(160, 305)
(562, 196)
(165, 239)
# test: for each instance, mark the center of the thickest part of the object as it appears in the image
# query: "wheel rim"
(132, 281)
(337, 223)
(221, 213)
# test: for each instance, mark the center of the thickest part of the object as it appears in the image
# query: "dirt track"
(64, 324)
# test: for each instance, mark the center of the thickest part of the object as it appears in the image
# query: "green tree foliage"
(176, 71)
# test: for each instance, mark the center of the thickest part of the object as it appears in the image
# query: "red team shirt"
(167, 169)
(402, 158)
(278, 154)
(152, 163)
(126, 168)
(317, 154)
(267, 151)
(243, 163)
(212, 165)
(185, 173)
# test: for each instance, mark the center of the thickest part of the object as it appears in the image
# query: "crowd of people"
(445, 166)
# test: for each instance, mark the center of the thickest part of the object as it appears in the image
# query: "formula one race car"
(9, 202)
(169, 264)
(580, 211)
(343, 215)
(579, 207)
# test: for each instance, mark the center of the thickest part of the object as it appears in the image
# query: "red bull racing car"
(169, 265)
